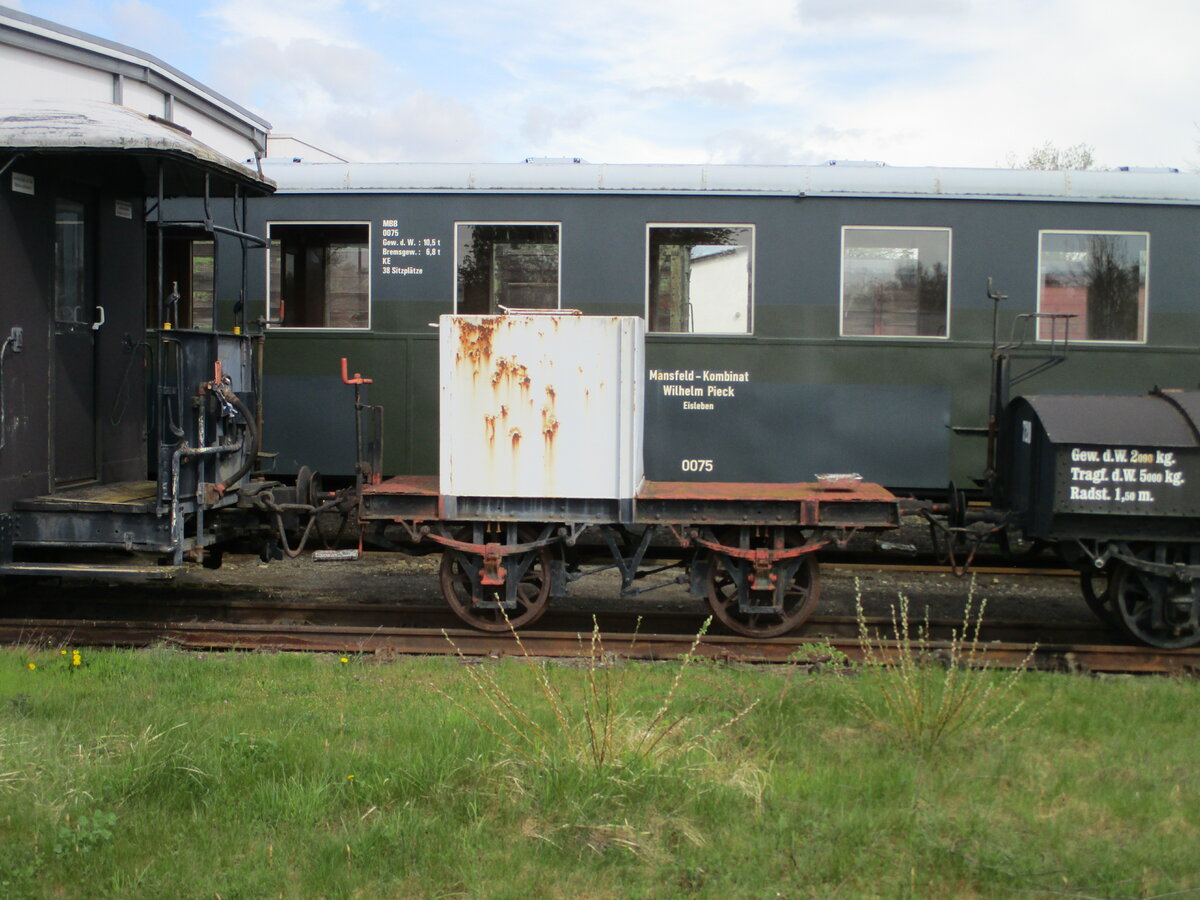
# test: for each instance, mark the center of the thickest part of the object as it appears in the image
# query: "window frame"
(535, 223)
(1143, 313)
(347, 329)
(949, 231)
(750, 286)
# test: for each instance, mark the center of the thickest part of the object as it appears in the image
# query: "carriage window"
(700, 278)
(187, 288)
(71, 303)
(320, 275)
(201, 270)
(896, 282)
(1099, 278)
(506, 267)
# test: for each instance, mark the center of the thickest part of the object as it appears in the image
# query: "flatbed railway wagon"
(542, 481)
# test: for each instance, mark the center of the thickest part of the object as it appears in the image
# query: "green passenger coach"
(800, 319)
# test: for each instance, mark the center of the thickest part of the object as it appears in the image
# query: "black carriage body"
(1103, 467)
(792, 396)
(113, 436)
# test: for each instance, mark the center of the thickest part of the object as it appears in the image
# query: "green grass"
(162, 773)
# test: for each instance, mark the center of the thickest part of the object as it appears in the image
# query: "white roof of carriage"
(841, 180)
(88, 125)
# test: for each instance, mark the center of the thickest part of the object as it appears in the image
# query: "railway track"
(215, 615)
(217, 623)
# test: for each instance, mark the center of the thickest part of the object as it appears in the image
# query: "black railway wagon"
(119, 433)
(800, 320)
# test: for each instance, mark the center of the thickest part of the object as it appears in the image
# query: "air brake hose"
(314, 511)
(252, 443)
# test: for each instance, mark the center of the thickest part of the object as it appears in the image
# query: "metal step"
(83, 570)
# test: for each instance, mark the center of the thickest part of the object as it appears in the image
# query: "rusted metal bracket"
(757, 570)
(492, 574)
(761, 576)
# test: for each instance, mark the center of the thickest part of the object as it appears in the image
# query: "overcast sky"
(908, 82)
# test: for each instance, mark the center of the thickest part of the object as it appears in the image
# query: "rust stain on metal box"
(475, 343)
(508, 369)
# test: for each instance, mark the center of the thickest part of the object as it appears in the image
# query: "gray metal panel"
(1147, 420)
(810, 181)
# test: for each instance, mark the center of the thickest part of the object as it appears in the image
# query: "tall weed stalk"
(925, 699)
(598, 729)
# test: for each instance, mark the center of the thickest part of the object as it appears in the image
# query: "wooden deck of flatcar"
(838, 504)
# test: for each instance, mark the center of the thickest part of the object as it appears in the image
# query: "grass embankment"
(169, 774)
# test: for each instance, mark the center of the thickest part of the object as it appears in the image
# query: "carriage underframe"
(748, 549)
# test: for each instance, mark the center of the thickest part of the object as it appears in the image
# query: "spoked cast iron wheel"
(1159, 610)
(533, 590)
(800, 600)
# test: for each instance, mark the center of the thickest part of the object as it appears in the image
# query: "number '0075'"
(696, 465)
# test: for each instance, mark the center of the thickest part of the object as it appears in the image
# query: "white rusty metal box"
(540, 405)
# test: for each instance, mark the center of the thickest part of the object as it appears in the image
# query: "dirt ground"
(398, 579)
(395, 578)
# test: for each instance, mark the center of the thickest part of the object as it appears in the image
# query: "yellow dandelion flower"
(76, 659)
(349, 777)
(345, 660)
(32, 666)
(63, 652)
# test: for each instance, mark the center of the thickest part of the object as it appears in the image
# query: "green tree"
(1050, 157)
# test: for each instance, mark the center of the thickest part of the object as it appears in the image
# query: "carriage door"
(73, 392)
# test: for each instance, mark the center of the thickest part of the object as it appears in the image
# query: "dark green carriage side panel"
(907, 412)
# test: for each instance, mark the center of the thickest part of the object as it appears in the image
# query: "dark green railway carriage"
(801, 319)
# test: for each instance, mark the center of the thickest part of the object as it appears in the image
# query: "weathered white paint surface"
(542, 405)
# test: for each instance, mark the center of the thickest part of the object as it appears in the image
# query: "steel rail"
(564, 644)
(223, 606)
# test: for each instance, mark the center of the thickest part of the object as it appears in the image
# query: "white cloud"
(282, 21)
(949, 82)
(877, 11)
(144, 26)
(350, 100)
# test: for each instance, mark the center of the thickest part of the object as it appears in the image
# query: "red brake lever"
(357, 379)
